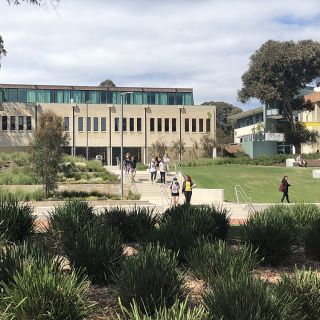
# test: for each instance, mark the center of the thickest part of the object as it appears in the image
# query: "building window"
(66, 123)
(95, 124)
(200, 125)
(20, 123)
(12, 123)
(194, 125)
(124, 124)
(186, 125)
(166, 125)
(29, 123)
(4, 123)
(159, 124)
(139, 124)
(88, 123)
(174, 125)
(116, 124)
(152, 124)
(131, 124)
(103, 124)
(208, 125)
(80, 124)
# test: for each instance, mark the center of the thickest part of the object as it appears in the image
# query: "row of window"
(135, 124)
(96, 97)
(10, 123)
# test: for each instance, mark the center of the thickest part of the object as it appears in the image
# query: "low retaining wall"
(207, 196)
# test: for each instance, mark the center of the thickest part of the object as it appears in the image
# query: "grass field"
(259, 182)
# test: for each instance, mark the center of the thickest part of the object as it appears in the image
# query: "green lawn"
(260, 183)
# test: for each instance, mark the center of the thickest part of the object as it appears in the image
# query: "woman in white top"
(174, 187)
(153, 170)
(163, 171)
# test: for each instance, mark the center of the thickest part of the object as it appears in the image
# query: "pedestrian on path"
(163, 171)
(127, 161)
(187, 189)
(166, 160)
(133, 168)
(153, 169)
(284, 187)
(174, 187)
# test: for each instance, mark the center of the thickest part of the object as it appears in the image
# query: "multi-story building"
(92, 116)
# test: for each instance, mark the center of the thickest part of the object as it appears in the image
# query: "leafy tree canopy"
(2, 50)
(107, 83)
(277, 72)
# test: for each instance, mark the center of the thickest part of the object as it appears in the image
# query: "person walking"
(153, 169)
(187, 189)
(127, 161)
(163, 171)
(174, 187)
(284, 187)
(133, 168)
(166, 160)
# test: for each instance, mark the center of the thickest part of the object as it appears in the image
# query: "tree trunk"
(297, 147)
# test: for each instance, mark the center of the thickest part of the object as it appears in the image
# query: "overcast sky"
(202, 44)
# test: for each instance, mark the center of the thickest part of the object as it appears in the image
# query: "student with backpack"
(187, 189)
(284, 187)
(174, 187)
(153, 169)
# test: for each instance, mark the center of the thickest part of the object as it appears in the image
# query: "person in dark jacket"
(285, 188)
(187, 189)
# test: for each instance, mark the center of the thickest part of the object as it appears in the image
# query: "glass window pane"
(103, 124)
(151, 98)
(77, 96)
(159, 124)
(20, 122)
(4, 123)
(13, 95)
(186, 125)
(80, 124)
(124, 124)
(12, 123)
(67, 96)
(95, 124)
(103, 97)
(31, 96)
(194, 125)
(131, 124)
(138, 98)
(174, 125)
(171, 98)
(200, 125)
(116, 124)
(187, 99)
(179, 99)
(166, 124)
(66, 123)
(128, 98)
(151, 124)
(2, 95)
(89, 124)
(116, 98)
(43, 96)
(163, 98)
(59, 96)
(29, 123)
(208, 125)
(22, 95)
(94, 97)
(139, 124)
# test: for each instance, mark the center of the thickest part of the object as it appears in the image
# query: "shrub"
(69, 219)
(183, 225)
(209, 260)
(134, 225)
(179, 311)
(243, 298)
(41, 291)
(13, 258)
(304, 215)
(151, 278)
(271, 233)
(303, 291)
(16, 220)
(312, 240)
(98, 250)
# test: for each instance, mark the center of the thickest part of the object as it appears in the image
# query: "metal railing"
(240, 193)
(166, 200)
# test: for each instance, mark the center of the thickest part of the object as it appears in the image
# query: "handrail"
(239, 191)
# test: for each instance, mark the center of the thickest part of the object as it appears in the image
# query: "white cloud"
(204, 44)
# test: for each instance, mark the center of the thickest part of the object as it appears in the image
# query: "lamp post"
(180, 125)
(121, 148)
(36, 114)
(87, 130)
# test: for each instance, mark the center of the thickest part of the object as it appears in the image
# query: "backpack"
(175, 187)
(281, 187)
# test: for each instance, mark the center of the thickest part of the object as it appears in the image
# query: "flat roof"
(313, 97)
(245, 114)
(98, 88)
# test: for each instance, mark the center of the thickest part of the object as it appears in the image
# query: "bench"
(316, 174)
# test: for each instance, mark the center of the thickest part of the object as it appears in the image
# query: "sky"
(199, 44)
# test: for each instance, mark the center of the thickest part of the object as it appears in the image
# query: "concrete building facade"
(92, 116)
